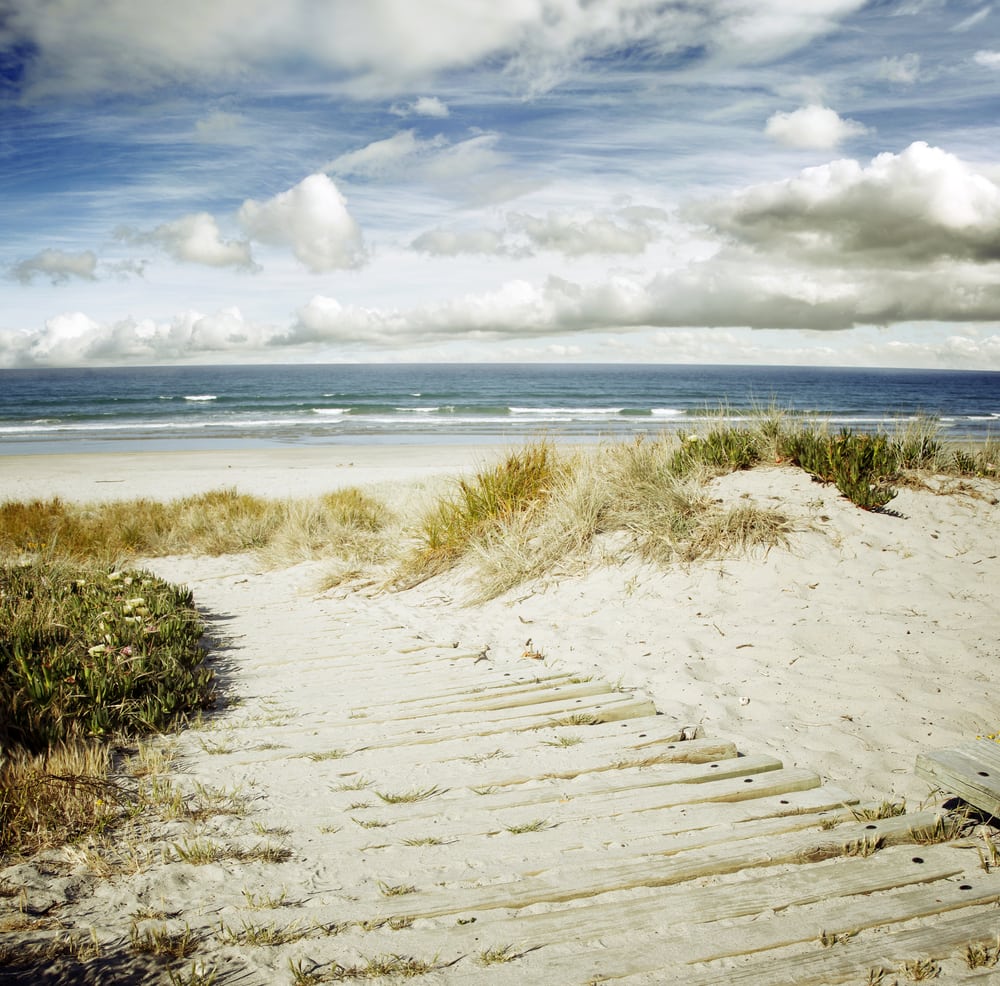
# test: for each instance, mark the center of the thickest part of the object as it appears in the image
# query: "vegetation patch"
(87, 657)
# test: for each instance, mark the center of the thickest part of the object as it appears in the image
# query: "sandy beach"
(871, 638)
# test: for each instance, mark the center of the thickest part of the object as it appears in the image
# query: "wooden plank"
(850, 962)
(561, 803)
(603, 832)
(515, 699)
(616, 707)
(692, 752)
(696, 906)
(560, 885)
(971, 771)
(694, 942)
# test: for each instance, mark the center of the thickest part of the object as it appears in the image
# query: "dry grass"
(347, 524)
(48, 799)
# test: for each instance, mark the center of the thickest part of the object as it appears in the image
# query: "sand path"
(425, 812)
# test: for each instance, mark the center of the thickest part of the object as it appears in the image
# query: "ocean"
(221, 407)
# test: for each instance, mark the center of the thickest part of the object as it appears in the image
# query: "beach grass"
(91, 653)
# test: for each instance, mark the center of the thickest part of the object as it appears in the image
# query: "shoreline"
(287, 472)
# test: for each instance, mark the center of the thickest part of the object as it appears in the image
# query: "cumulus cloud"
(576, 236)
(57, 266)
(312, 219)
(988, 59)
(903, 70)
(74, 338)
(194, 239)
(922, 205)
(423, 106)
(812, 127)
(383, 45)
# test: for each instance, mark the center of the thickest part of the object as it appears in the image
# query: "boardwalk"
(431, 811)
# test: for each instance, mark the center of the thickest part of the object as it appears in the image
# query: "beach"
(869, 639)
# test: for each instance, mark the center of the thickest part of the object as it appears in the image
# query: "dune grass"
(91, 654)
(347, 523)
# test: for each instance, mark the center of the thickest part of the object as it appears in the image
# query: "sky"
(695, 181)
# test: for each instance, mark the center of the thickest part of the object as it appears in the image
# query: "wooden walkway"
(482, 823)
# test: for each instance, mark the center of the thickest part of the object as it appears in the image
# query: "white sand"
(874, 637)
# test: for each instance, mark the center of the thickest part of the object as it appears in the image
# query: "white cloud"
(435, 159)
(573, 234)
(75, 338)
(422, 106)
(194, 239)
(577, 235)
(383, 157)
(312, 219)
(56, 265)
(920, 206)
(813, 127)
(903, 70)
(471, 170)
(988, 59)
(453, 242)
(386, 45)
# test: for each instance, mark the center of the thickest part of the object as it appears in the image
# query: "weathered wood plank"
(675, 907)
(560, 885)
(586, 761)
(703, 942)
(561, 803)
(852, 960)
(971, 771)
(614, 707)
(486, 702)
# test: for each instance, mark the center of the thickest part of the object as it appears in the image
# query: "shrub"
(861, 466)
(85, 653)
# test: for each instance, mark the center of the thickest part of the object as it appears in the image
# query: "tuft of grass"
(428, 840)
(479, 507)
(538, 825)
(564, 741)
(401, 966)
(161, 941)
(409, 797)
(269, 935)
(264, 900)
(370, 823)
(978, 955)
(864, 847)
(396, 890)
(939, 831)
(498, 954)
(918, 970)
(358, 784)
(48, 799)
(886, 809)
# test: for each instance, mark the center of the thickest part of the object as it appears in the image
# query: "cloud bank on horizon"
(648, 180)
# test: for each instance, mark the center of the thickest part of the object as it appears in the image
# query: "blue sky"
(731, 181)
